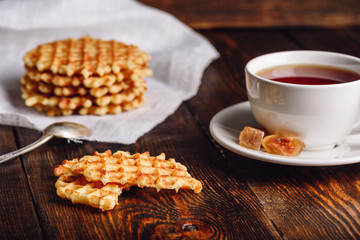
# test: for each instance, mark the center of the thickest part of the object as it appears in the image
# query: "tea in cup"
(311, 94)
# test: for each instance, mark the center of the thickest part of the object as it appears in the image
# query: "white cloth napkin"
(179, 58)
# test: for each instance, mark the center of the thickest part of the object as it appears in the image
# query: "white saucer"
(226, 125)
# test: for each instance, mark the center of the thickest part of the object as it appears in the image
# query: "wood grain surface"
(205, 14)
(241, 198)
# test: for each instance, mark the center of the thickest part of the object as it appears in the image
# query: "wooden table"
(241, 198)
(207, 14)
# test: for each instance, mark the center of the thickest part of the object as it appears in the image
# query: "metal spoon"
(60, 130)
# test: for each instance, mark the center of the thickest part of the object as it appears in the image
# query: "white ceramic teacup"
(321, 114)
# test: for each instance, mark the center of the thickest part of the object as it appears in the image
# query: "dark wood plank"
(18, 219)
(340, 40)
(209, 14)
(311, 203)
(226, 208)
(303, 203)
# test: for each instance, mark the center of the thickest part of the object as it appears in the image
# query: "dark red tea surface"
(306, 80)
(309, 74)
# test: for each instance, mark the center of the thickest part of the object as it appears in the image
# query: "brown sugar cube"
(285, 146)
(251, 138)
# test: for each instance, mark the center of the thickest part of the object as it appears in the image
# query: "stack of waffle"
(99, 179)
(85, 76)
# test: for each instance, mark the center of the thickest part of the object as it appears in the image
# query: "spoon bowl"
(68, 130)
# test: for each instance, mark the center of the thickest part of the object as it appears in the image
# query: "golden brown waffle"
(68, 91)
(107, 174)
(75, 188)
(64, 173)
(94, 194)
(85, 76)
(86, 56)
(34, 97)
(93, 110)
(90, 82)
(140, 170)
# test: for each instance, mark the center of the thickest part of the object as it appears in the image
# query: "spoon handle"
(43, 139)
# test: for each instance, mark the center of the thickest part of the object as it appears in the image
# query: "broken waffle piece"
(98, 180)
(140, 170)
(285, 146)
(94, 194)
(76, 188)
(251, 138)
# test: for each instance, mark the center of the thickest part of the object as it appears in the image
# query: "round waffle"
(90, 82)
(80, 90)
(86, 56)
(107, 104)
(93, 110)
